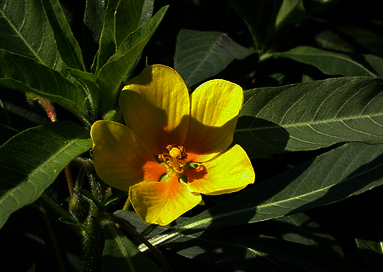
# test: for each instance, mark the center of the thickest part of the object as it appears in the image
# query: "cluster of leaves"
(311, 122)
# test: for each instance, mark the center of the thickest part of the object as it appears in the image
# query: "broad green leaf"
(93, 22)
(66, 43)
(300, 256)
(332, 63)
(201, 54)
(25, 30)
(113, 72)
(311, 115)
(333, 176)
(120, 254)
(27, 75)
(6, 133)
(300, 228)
(31, 161)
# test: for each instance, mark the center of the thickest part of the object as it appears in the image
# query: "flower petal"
(215, 107)
(229, 172)
(156, 106)
(120, 158)
(162, 202)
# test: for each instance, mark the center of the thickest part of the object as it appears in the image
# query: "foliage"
(311, 123)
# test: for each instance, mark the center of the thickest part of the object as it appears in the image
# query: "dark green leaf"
(93, 22)
(332, 63)
(120, 254)
(300, 228)
(31, 161)
(266, 19)
(92, 91)
(27, 75)
(311, 115)
(200, 54)
(25, 30)
(340, 173)
(127, 17)
(300, 256)
(113, 72)
(66, 43)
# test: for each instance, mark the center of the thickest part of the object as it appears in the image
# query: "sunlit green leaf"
(311, 115)
(66, 43)
(31, 161)
(24, 74)
(113, 72)
(332, 63)
(340, 173)
(120, 254)
(25, 30)
(200, 54)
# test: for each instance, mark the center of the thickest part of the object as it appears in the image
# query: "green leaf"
(267, 19)
(93, 22)
(201, 54)
(332, 63)
(121, 19)
(92, 91)
(120, 254)
(300, 256)
(300, 228)
(31, 161)
(24, 74)
(340, 173)
(113, 72)
(311, 115)
(19, 20)
(66, 43)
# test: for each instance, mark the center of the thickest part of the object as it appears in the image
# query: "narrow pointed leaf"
(333, 63)
(340, 173)
(311, 115)
(24, 74)
(113, 72)
(201, 54)
(18, 21)
(66, 43)
(31, 161)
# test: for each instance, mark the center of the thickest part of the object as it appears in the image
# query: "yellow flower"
(174, 147)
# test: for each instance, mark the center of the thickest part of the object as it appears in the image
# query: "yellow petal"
(229, 172)
(215, 107)
(120, 158)
(162, 202)
(155, 105)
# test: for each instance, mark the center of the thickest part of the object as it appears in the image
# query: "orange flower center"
(174, 160)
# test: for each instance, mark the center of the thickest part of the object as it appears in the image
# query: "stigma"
(174, 160)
